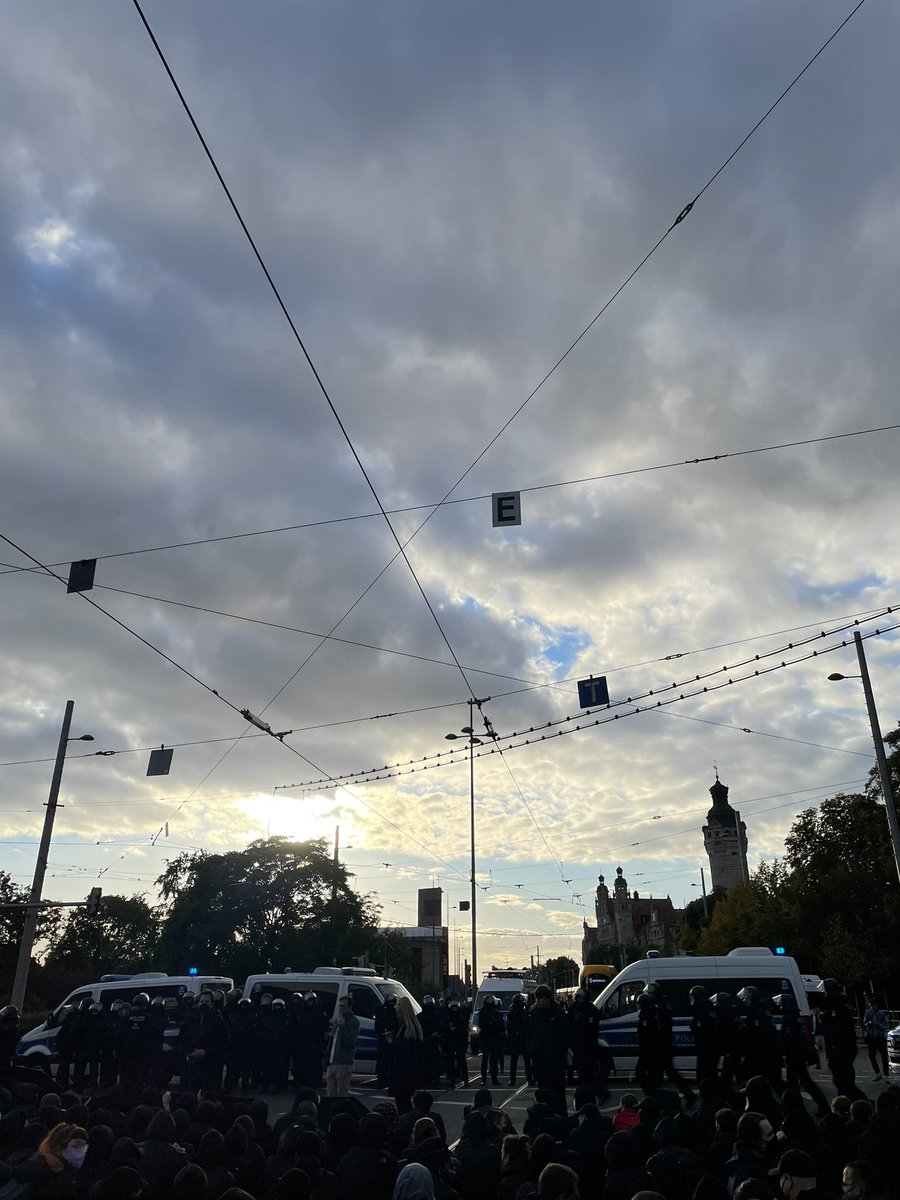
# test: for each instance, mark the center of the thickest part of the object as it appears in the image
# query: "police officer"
(760, 1053)
(492, 1029)
(240, 1046)
(308, 1036)
(583, 1020)
(89, 1049)
(728, 1037)
(703, 1032)
(648, 1070)
(9, 1038)
(386, 1027)
(137, 1049)
(67, 1035)
(205, 1055)
(664, 1017)
(517, 1038)
(839, 1030)
(278, 1047)
(429, 1019)
(795, 1046)
(456, 1037)
(547, 1044)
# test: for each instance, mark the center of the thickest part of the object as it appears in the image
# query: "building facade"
(725, 839)
(627, 919)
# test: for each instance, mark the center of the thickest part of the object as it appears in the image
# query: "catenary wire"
(10, 569)
(320, 383)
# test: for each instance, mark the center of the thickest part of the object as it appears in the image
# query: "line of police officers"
(749, 1035)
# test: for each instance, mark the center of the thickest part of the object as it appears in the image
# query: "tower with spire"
(725, 840)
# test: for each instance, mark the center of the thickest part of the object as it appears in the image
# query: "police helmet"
(785, 1002)
(265, 1000)
(158, 1002)
(831, 987)
(490, 1001)
(309, 997)
(723, 1000)
(9, 1013)
(426, 1000)
(645, 1001)
(653, 988)
(218, 996)
(95, 1009)
(698, 993)
(245, 1003)
(580, 994)
(296, 997)
(519, 998)
(391, 1000)
(141, 1000)
(234, 994)
(454, 1004)
(279, 1004)
(748, 996)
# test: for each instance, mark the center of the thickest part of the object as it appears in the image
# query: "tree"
(696, 916)
(274, 905)
(12, 921)
(560, 972)
(123, 938)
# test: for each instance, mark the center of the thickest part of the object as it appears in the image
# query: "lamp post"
(468, 732)
(883, 772)
(23, 963)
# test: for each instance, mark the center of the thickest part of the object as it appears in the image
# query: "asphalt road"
(516, 1101)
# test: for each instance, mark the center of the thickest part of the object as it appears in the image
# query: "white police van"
(504, 986)
(366, 989)
(745, 966)
(37, 1048)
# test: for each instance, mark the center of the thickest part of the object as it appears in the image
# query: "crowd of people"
(114, 1128)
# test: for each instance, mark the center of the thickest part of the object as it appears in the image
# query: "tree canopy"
(273, 905)
(123, 937)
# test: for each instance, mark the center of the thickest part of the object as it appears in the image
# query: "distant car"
(893, 1046)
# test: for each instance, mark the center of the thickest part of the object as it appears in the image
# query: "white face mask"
(74, 1155)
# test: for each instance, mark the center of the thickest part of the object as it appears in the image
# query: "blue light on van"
(193, 971)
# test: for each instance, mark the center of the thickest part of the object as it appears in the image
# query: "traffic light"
(93, 901)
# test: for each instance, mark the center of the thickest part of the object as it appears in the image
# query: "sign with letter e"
(506, 508)
(593, 691)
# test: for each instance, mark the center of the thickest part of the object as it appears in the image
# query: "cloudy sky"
(446, 196)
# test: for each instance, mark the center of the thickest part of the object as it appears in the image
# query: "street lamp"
(468, 733)
(23, 963)
(883, 772)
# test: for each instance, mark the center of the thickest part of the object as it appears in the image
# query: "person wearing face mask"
(795, 1175)
(755, 1147)
(205, 1060)
(52, 1171)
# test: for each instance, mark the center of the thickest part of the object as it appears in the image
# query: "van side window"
(364, 1000)
(623, 1000)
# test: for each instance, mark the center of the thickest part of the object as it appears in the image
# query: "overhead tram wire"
(401, 547)
(224, 700)
(537, 487)
(432, 761)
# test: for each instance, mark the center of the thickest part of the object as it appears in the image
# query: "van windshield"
(389, 988)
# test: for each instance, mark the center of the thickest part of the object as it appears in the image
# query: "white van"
(748, 965)
(504, 986)
(38, 1046)
(366, 989)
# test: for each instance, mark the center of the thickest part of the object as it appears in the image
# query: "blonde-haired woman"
(409, 1056)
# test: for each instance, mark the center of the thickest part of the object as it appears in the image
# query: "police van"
(504, 986)
(746, 966)
(38, 1046)
(366, 989)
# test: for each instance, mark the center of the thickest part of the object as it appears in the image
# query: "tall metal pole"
(705, 901)
(883, 772)
(472, 840)
(23, 964)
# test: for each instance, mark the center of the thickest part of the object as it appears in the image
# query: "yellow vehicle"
(594, 977)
